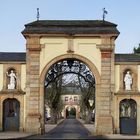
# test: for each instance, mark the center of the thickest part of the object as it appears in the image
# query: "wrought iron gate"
(128, 116)
(11, 109)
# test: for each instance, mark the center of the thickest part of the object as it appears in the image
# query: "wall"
(117, 78)
(23, 76)
(121, 93)
(15, 93)
(52, 47)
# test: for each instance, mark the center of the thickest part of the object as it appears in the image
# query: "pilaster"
(104, 114)
(32, 86)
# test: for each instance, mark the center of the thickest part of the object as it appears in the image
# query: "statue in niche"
(12, 81)
(128, 81)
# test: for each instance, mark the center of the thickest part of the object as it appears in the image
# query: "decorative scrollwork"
(69, 66)
(128, 108)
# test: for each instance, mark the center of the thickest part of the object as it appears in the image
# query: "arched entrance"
(70, 112)
(11, 114)
(128, 116)
(86, 61)
(59, 80)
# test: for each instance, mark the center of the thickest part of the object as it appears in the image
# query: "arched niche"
(11, 79)
(133, 72)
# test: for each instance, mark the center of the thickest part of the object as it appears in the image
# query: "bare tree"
(87, 93)
(55, 81)
(54, 101)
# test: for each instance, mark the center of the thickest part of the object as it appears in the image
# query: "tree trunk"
(53, 117)
(88, 117)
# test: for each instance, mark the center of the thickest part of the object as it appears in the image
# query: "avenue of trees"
(53, 90)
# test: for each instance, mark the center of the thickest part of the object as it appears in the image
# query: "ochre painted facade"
(81, 46)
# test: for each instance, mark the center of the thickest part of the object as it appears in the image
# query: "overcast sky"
(14, 14)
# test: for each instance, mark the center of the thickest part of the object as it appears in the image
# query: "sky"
(14, 14)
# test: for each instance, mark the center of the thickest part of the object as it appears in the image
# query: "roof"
(13, 56)
(127, 57)
(21, 57)
(70, 27)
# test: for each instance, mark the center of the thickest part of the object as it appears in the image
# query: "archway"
(59, 77)
(11, 114)
(128, 116)
(70, 112)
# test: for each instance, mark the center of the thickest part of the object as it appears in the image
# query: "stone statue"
(12, 83)
(128, 81)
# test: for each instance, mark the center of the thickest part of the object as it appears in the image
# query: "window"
(66, 99)
(75, 99)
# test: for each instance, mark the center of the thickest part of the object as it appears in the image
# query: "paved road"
(68, 129)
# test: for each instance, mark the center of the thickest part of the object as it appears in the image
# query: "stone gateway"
(51, 42)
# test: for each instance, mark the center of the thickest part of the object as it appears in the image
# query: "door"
(11, 110)
(128, 116)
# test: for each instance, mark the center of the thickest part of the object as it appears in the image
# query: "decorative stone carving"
(128, 81)
(70, 46)
(12, 81)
